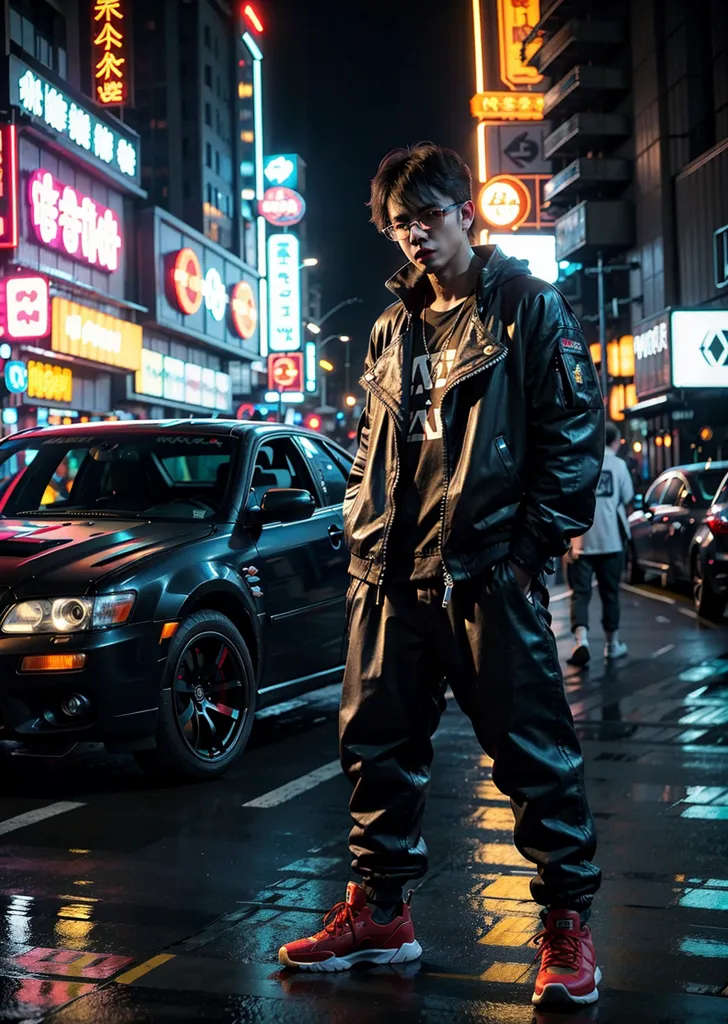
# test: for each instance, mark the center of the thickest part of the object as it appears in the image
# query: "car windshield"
(164, 475)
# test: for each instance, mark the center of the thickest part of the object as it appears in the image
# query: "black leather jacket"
(523, 428)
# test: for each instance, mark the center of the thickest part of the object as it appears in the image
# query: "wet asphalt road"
(134, 903)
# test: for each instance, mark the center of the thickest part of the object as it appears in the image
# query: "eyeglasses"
(428, 220)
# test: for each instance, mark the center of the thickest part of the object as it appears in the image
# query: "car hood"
(71, 555)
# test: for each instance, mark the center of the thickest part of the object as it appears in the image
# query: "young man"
(479, 451)
(601, 552)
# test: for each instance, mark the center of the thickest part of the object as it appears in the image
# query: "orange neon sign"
(516, 18)
(252, 15)
(187, 281)
(504, 202)
(109, 35)
(507, 106)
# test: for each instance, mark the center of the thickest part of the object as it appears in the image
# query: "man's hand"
(522, 577)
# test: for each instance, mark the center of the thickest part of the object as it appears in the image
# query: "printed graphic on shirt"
(425, 395)
(605, 487)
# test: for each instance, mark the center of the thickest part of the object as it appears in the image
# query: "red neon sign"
(187, 281)
(285, 371)
(243, 310)
(109, 34)
(252, 16)
(8, 186)
(64, 219)
(25, 302)
(282, 206)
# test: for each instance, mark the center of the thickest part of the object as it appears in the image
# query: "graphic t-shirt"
(414, 548)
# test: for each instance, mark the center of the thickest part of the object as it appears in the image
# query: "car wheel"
(634, 573)
(207, 703)
(707, 603)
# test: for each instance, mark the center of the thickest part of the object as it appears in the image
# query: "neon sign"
(49, 382)
(16, 376)
(507, 106)
(282, 207)
(187, 281)
(504, 202)
(83, 132)
(285, 372)
(284, 282)
(516, 18)
(80, 227)
(78, 330)
(8, 186)
(243, 310)
(26, 303)
(163, 376)
(109, 31)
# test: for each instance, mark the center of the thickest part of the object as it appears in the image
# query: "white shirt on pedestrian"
(610, 529)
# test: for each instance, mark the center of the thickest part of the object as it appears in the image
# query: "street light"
(313, 328)
(310, 261)
(326, 365)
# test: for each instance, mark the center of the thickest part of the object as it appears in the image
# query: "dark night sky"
(345, 82)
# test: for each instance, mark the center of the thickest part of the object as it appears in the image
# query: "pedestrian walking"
(600, 553)
(479, 453)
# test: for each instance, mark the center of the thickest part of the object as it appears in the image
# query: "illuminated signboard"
(190, 288)
(699, 348)
(281, 169)
(8, 186)
(285, 371)
(243, 310)
(80, 227)
(25, 307)
(282, 207)
(165, 377)
(507, 106)
(284, 291)
(516, 18)
(109, 30)
(539, 251)
(84, 332)
(82, 132)
(16, 376)
(311, 363)
(49, 382)
(504, 202)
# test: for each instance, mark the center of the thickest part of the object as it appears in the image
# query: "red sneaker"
(350, 936)
(568, 973)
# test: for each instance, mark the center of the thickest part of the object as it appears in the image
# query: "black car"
(666, 519)
(160, 581)
(709, 558)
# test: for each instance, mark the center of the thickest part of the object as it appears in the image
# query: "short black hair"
(409, 176)
(612, 433)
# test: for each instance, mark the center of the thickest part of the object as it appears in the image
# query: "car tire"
(190, 745)
(634, 573)
(706, 602)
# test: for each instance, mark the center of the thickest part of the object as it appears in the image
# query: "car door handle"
(336, 536)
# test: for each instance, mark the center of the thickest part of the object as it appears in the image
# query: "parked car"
(665, 521)
(184, 575)
(709, 558)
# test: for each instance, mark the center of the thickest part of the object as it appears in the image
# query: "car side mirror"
(638, 503)
(283, 505)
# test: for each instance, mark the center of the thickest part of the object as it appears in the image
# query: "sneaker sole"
(580, 660)
(558, 993)
(403, 954)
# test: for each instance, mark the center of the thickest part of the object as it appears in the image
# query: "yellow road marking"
(137, 972)
(510, 931)
(500, 853)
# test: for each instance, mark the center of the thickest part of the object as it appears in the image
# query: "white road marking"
(298, 786)
(561, 597)
(691, 614)
(647, 593)
(32, 817)
(664, 650)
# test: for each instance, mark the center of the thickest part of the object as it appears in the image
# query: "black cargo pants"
(494, 646)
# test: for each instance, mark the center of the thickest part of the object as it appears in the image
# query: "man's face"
(432, 247)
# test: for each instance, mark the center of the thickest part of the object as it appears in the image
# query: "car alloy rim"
(697, 587)
(210, 696)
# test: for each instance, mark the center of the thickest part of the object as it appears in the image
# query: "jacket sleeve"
(565, 435)
(360, 460)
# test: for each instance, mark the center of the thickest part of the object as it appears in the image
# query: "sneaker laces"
(339, 917)
(558, 949)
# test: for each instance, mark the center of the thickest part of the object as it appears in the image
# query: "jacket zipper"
(446, 574)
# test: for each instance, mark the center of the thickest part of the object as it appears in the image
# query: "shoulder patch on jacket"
(571, 345)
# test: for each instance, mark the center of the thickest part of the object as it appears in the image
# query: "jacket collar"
(412, 286)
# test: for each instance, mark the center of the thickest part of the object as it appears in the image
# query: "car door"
(681, 529)
(300, 569)
(664, 514)
(640, 522)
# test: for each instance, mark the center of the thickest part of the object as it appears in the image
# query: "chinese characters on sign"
(504, 202)
(285, 372)
(25, 305)
(49, 382)
(282, 207)
(8, 186)
(110, 70)
(516, 18)
(78, 330)
(76, 125)
(284, 285)
(77, 225)
(507, 106)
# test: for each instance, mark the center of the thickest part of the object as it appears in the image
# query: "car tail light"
(717, 524)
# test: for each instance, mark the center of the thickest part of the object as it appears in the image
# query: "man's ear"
(467, 215)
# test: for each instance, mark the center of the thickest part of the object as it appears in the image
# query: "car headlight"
(68, 614)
